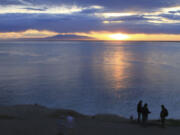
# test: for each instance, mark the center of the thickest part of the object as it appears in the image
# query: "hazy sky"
(115, 19)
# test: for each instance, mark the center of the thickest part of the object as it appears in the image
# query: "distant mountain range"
(69, 37)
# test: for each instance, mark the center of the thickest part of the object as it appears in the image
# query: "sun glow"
(102, 35)
(118, 37)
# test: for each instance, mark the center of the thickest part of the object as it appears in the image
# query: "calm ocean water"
(92, 77)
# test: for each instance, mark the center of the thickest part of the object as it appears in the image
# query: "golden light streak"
(95, 35)
(103, 35)
(154, 37)
(28, 34)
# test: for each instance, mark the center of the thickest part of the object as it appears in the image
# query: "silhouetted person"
(139, 111)
(145, 113)
(163, 115)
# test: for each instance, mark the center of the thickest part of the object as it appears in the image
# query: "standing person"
(145, 113)
(163, 115)
(139, 111)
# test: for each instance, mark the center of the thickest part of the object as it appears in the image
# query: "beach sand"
(39, 120)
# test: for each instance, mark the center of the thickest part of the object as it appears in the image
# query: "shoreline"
(37, 120)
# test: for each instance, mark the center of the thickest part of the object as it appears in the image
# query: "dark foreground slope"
(39, 120)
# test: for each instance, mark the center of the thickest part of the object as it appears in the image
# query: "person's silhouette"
(139, 110)
(163, 115)
(145, 113)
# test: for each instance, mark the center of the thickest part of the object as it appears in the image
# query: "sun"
(118, 36)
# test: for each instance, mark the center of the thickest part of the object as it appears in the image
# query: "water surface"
(92, 77)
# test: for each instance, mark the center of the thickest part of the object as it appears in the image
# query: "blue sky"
(85, 16)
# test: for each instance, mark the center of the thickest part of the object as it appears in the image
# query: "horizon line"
(89, 40)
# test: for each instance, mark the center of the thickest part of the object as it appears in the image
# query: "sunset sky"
(90, 19)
